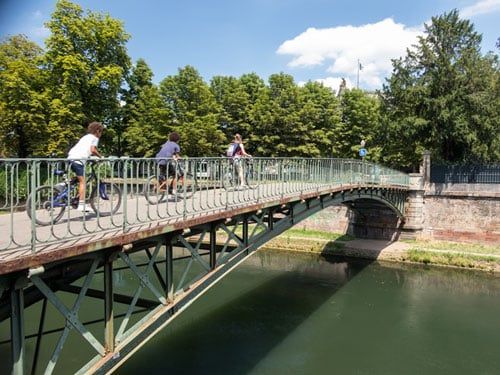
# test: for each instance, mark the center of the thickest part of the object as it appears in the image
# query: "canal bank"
(439, 253)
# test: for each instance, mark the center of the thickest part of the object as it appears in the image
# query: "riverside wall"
(453, 212)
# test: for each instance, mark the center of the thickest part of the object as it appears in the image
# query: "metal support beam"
(109, 333)
(17, 330)
(39, 336)
(245, 230)
(213, 246)
(169, 271)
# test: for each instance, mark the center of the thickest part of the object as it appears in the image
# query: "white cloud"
(481, 7)
(341, 47)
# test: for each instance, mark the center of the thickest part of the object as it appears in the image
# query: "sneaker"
(82, 207)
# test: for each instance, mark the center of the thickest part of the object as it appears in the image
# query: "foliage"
(360, 121)
(195, 113)
(146, 119)
(86, 62)
(23, 99)
(443, 96)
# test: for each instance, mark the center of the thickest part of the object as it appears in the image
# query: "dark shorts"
(78, 168)
(173, 169)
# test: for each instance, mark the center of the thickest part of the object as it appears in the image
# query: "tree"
(360, 120)
(235, 105)
(144, 116)
(320, 112)
(195, 113)
(443, 96)
(23, 99)
(87, 61)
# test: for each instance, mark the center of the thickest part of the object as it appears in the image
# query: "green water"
(282, 313)
(287, 313)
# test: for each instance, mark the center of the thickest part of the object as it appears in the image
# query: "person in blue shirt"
(169, 155)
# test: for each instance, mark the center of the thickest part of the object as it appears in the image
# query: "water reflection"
(283, 312)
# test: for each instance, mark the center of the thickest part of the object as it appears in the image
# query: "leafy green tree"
(87, 61)
(23, 99)
(320, 113)
(145, 116)
(279, 130)
(443, 96)
(195, 112)
(235, 105)
(360, 121)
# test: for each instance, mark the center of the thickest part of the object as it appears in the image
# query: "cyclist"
(237, 151)
(170, 150)
(86, 147)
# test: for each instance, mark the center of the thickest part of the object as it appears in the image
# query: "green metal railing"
(210, 185)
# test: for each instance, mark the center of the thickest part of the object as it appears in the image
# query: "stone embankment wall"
(462, 212)
(459, 212)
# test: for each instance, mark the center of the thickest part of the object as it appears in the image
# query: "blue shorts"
(78, 168)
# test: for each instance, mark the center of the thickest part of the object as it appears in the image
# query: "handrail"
(204, 191)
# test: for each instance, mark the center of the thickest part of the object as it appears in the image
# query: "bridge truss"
(169, 271)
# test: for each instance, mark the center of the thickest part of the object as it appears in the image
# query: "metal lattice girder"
(144, 283)
(71, 316)
(231, 236)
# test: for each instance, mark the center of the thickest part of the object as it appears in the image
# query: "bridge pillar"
(414, 206)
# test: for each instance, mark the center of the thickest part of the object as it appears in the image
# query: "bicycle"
(50, 202)
(157, 188)
(231, 179)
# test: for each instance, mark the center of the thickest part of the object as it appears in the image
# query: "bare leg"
(81, 188)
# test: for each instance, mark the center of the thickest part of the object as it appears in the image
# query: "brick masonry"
(468, 213)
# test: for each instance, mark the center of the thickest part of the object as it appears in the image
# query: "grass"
(453, 259)
(316, 234)
(470, 248)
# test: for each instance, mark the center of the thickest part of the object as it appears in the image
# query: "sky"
(312, 40)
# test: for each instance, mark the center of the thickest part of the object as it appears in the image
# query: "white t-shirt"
(82, 149)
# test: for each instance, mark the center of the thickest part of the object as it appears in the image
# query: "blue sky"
(309, 39)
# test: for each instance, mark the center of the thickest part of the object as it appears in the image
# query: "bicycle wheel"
(152, 191)
(228, 180)
(186, 188)
(48, 205)
(106, 199)
(251, 179)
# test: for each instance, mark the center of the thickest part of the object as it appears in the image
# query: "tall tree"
(278, 127)
(23, 99)
(235, 105)
(443, 96)
(195, 113)
(360, 120)
(321, 115)
(144, 116)
(87, 61)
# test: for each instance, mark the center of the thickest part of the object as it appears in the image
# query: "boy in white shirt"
(86, 147)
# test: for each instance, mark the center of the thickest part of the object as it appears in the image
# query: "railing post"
(124, 195)
(32, 174)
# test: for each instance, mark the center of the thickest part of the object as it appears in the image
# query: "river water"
(287, 313)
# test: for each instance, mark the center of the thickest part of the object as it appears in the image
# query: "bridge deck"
(78, 234)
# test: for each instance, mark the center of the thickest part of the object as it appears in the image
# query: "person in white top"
(86, 147)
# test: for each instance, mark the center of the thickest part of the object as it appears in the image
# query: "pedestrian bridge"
(174, 246)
